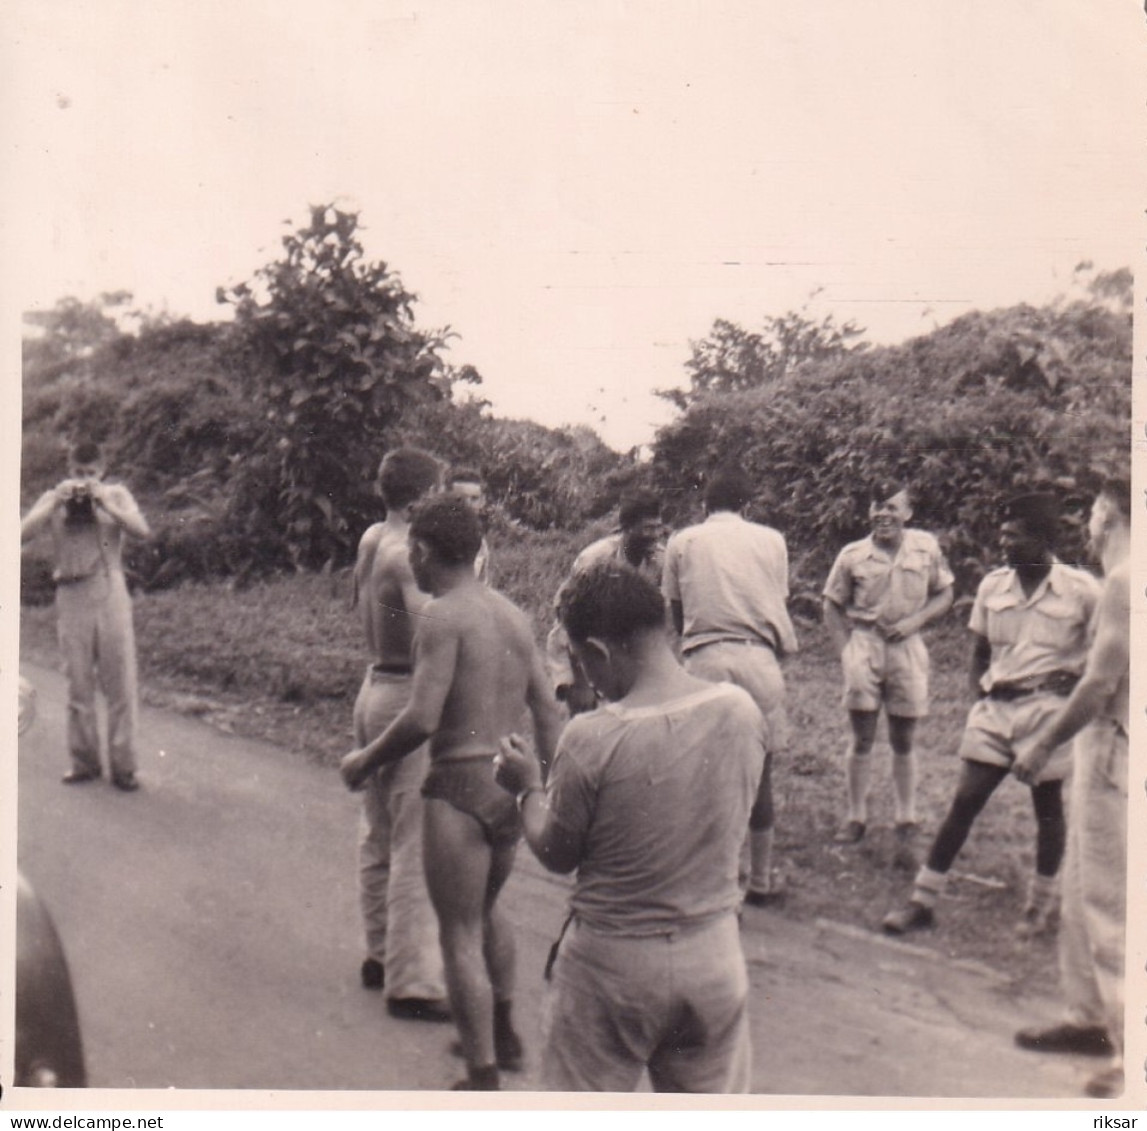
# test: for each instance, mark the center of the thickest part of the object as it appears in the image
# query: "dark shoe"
(852, 833)
(508, 1052)
(1108, 1085)
(418, 1009)
(764, 898)
(78, 777)
(125, 782)
(912, 916)
(483, 1079)
(372, 973)
(1082, 1040)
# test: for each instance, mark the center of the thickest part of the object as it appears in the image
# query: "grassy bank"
(282, 660)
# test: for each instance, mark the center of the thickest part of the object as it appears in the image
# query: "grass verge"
(282, 661)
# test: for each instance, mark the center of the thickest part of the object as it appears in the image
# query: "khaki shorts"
(997, 730)
(892, 674)
(752, 667)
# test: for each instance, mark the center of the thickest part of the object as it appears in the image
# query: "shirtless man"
(402, 950)
(476, 668)
(1091, 937)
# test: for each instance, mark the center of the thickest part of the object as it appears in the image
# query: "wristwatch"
(521, 798)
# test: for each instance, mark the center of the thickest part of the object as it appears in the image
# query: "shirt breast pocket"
(914, 571)
(1056, 623)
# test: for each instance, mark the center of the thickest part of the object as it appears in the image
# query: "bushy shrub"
(990, 405)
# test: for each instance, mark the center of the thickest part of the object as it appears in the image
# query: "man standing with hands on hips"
(88, 519)
(881, 592)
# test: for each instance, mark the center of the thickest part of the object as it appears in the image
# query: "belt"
(392, 669)
(756, 643)
(1057, 683)
(76, 578)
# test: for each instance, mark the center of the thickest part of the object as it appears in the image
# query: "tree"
(731, 359)
(333, 359)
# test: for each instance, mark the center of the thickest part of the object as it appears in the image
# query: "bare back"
(387, 595)
(1111, 651)
(494, 656)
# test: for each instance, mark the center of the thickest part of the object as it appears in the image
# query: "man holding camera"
(87, 519)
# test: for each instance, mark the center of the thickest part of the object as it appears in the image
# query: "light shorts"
(676, 1003)
(892, 674)
(998, 730)
(752, 667)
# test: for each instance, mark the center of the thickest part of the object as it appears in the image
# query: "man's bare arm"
(544, 711)
(436, 657)
(836, 623)
(980, 662)
(367, 545)
(1107, 665)
(118, 502)
(43, 509)
(518, 771)
(934, 608)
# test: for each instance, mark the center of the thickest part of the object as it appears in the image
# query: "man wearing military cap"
(1031, 624)
(881, 592)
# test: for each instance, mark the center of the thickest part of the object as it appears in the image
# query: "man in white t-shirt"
(648, 800)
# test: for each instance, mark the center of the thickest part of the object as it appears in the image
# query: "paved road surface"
(211, 925)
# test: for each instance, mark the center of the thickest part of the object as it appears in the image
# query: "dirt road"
(212, 929)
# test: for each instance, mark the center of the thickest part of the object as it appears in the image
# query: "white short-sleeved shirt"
(659, 798)
(873, 586)
(1034, 636)
(732, 580)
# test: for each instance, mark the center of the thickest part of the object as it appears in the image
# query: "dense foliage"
(253, 444)
(988, 405)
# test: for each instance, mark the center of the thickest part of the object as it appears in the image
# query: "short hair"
(611, 601)
(463, 475)
(405, 475)
(449, 526)
(636, 506)
(85, 451)
(1118, 490)
(728, 490)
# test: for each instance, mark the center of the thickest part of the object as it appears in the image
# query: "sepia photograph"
(573, 548)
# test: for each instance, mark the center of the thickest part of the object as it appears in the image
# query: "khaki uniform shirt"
(873, 586)
(611, 548)
(732, 580)
(1034, 636)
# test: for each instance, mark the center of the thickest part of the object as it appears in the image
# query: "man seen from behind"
(647, 800)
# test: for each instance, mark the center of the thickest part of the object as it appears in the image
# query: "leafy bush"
(989, 405)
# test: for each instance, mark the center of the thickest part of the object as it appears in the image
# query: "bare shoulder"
(368, 543)
(1117, 589)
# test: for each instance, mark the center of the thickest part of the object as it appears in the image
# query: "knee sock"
(1043, 892)
(928, 886)
(904, 783)
(859, 769)
(761, 859)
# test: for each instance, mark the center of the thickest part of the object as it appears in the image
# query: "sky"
(579, 189)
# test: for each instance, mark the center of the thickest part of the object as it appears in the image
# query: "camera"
(78, 507)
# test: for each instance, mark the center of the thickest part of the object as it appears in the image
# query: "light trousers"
(1094, 910)
(98, 644)
(400, 925)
